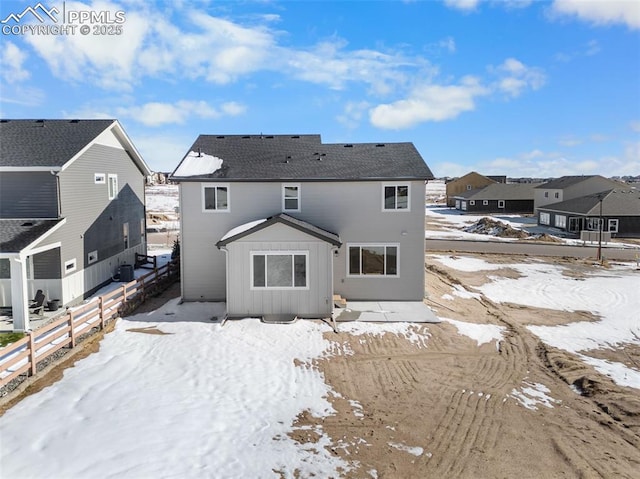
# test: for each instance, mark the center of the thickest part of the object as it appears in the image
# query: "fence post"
(101, 306)
(124, 293)
(32, 353)
(72, 332)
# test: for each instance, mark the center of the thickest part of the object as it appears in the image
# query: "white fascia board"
(18, 169)
(31, 247)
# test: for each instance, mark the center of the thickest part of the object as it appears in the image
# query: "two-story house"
(278, 224)
(71, 209)
(471, 181)
(570, 187)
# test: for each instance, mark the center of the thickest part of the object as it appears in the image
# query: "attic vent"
(379, 145)
(323, 154)
(220, 137)
(74, 121)
(246, 136)
(4, 121)
(40, 121)
(296, 136)
(348, 145)
(27, 223)
(270, 136)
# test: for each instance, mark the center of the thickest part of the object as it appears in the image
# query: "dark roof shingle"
(617, 201)
(305, 157)
(45, 143)
(15, 235)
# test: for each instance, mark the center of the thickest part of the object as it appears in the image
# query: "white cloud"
(157, 113)
(353, 113)
(448, 44)
(464, 5)
(600, 12)
(428, 103)
(517, 77)
(12, 60)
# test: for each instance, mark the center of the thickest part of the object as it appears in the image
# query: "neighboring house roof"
(250, 228)
(473, 174)
(500, 191)
(55, 143)
(567, 181)
(297, 157)
(617, 201)
(16, 235)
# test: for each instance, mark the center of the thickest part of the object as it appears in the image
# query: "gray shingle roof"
(501, 191)
(45, 143)
(15, 235)
(305, 157)
(566, 181)
(617, 201)
(285, 219)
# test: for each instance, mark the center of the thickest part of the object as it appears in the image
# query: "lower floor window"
(373, 260)
(561, 221)
(545, 218)
(279, 269)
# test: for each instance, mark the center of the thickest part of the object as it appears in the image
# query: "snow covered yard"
(610, 294)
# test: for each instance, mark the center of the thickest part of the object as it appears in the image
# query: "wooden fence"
(23, 356)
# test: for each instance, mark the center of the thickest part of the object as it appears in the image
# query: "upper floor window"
(215, 198)
(468, 187)
(99, 178)
(396, 197)
(557, 195)
(113, 186)
(546, 194)
(291, 197)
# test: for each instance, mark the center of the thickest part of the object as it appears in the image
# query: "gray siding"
(46, 265)
(353, 210)
(93, 222)
(314, 301)
(28, 195)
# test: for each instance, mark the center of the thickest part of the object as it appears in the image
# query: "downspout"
(226, 282)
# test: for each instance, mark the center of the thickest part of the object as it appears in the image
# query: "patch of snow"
(618, 372)
(198, 164)
(533, 394)
(242, 228)
(462, 292)
(465, 263)
(448, 297)
(416, 451)
(482, 333)
(416, 334)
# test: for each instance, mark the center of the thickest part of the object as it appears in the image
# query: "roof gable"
(43, 144)
(568, 181)
(616, 201)
(282, 218)
(300, 157)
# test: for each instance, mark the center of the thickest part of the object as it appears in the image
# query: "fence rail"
(24, 355)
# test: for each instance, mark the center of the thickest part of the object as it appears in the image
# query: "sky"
(518, 88)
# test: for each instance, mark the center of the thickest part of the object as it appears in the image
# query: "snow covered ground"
(611, 294)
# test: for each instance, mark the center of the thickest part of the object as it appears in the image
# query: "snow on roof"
(242, 228)
(196, 163)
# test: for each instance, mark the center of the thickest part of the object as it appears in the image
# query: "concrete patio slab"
(386, 311)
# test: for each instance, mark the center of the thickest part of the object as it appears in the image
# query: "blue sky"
(522, 88)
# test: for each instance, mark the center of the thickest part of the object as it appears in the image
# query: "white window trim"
(100, 178)
(472, 202)
(299, 197)
(378, 276)
(126, 237)
(485, 202)
(610, 223)
(216, 185)
(278, 253)
(70, 266)
(501, 203)
(92, 257)
(408, 208)
(545, 218)
(560, 221)
(115, 193)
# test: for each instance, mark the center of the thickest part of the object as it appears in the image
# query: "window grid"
(215, 198)
(279, 270)
(395, 197)
(373, 260)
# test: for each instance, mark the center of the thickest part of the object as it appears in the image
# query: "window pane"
(392, 260)
(221, 200)
(279, 270)
(290, 191)
(300, 270)
(258, 271)
(209, 198)
(354, 260)
(291, 204)
(373, 260)
(403, 198)
(389, 197)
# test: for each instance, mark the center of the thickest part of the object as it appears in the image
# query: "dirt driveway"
(451, 409)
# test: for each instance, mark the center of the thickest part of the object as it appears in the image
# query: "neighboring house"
(468, 182)
(498, 198)
(276, 225)
(71, 209)
(570, 187)
(620, 213)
